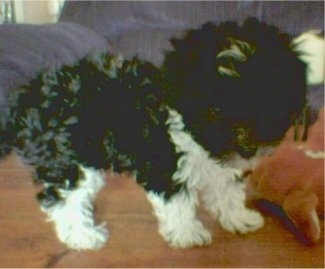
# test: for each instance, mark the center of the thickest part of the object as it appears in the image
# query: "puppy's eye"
(241, 133)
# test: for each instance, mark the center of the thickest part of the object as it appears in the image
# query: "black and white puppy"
(221, 98)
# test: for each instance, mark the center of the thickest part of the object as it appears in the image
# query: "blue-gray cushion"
(26, 49)
(143, 28)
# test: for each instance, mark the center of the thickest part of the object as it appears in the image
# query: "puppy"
(223, 96)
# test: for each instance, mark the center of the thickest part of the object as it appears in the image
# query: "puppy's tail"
(311, 48)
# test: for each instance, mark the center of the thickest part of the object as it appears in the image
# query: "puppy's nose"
(247, 153)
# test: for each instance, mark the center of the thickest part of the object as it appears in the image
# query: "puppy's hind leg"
(71, 211)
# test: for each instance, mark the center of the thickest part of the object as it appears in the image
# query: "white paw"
(83, 237)
(177, 221)
(241, 221)
(192, 235)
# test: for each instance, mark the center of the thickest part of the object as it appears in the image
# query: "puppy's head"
(238, 87)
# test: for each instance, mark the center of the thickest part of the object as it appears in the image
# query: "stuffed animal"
(293, 178)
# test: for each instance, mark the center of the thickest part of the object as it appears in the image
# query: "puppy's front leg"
(71, 211)
(224, 197)
(177, 220)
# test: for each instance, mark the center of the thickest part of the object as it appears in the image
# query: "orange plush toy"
(293, 178)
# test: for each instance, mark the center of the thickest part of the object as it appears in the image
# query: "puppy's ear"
(310, 46)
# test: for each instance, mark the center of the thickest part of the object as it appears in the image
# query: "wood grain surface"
(27, 240)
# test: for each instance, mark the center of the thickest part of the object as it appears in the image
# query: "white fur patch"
(73, 216)
(224, 197)
(223, 194)
(312, 49)
(315, 154)
(178, 224)
(189, 166)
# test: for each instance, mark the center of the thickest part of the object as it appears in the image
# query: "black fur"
(268, 94)
(99, 115)
(96, 115)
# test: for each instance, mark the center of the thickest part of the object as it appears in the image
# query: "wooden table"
(27, 240)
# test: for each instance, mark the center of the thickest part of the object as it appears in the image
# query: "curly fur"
(224, 93)
(268, 94)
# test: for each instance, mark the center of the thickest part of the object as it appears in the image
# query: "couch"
(141, 28)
